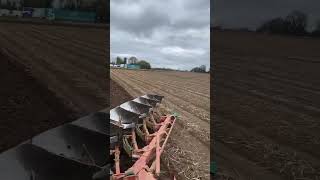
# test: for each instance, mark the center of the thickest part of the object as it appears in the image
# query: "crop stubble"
(188, 94)
(267, 106)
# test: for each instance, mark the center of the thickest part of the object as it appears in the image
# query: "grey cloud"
(167, 33)
(252, 13)
(144, 16)
(199, 4)
(142, 23)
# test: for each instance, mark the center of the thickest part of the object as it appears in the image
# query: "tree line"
(200, 69)
(295, 23)
(142, 63)
(146, 65)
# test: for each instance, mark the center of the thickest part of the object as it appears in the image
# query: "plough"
(75, 150)
(139, 130)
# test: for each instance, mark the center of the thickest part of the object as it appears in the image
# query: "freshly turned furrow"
(88, 58)
(260, 149)
(62, 52)
(187, 135)
(50, 62)
(283, 133)
(202, 93)
(68, 43)
(267, 99)
(221, 135)
(171, 101)
(187, 95)
(79, 148)
(294, 93)
(199, 89)
(134, 91)
(269, 76)
(312, 135)
(177, 105)
(200, 85)
(197, 79)
(83, 39)
(290, 134)
(306, 100)
(65, 67)
(47, 68)
(197, 111)
(276, 71)
(94, 38)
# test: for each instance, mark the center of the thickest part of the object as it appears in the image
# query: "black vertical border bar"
(212, 96)
(107, 61)
(107, 64)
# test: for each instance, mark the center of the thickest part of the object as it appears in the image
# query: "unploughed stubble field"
(267, 106)
(188, 94)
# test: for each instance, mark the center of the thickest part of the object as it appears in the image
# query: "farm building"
(133, 66)
(77, 4)
(73, 15)
(11, 8)
(6, 12)
(61, 10)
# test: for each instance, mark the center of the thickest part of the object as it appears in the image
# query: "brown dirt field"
(188, 94)
(118, 95)
(70, 60)
(56, 75)
(26, 106)
(266, 106)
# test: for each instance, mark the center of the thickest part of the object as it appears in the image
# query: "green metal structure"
(71, 15)
(133, 66)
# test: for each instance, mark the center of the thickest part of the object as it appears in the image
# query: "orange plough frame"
(147, 167)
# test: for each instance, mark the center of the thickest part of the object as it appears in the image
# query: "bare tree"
(295, 23)
(200, 69)
(316, 31)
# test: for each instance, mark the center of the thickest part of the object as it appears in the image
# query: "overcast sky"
(251, 13)
(167, 33)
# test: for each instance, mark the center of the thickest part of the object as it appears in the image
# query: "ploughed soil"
(266, 106)
(118, 94)
(27, 107)
(57, 74)
(187, 152)
(70, 60)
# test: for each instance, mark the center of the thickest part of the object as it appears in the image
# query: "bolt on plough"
(140, 131)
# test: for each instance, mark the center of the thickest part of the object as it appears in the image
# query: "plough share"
(140, 131)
